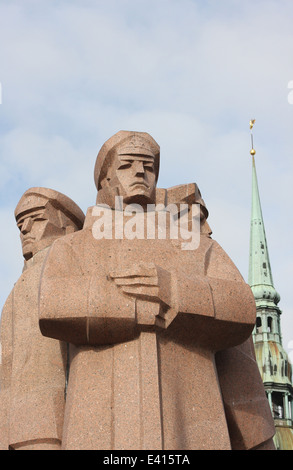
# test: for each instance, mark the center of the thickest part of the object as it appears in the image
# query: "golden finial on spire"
(251, 124)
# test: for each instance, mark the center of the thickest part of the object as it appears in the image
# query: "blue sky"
(191, 73)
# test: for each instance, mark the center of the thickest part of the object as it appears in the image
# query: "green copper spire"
(273, 362)
(260, 275)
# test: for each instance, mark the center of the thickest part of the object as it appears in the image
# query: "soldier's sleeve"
(5, 368)
(221, 296)
(38, 373)
(63, 294)
(74, 297)
(247, 410)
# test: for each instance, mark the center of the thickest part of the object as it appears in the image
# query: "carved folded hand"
(145, 281)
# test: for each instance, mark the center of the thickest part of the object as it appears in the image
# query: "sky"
(192, 73)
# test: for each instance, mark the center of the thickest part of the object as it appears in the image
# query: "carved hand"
(148, 283)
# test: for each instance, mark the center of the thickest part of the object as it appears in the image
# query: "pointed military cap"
(36, 198)
(129, 143)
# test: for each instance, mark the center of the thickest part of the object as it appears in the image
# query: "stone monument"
(145, 320)
(157, 318)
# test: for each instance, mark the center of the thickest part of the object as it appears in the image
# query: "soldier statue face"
(39, 227)
(127, 166)
(133, 177)
(136, 176)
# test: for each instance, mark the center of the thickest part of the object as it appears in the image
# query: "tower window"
(258, 325)
(278, 405)
(270, 322)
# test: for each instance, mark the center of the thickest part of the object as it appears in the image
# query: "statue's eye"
(149, 166)
(124, 166)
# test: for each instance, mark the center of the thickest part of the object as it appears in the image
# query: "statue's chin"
(139, 197)
(27, 254)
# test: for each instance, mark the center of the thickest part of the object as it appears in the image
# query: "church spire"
(260, 274)
(273, 362)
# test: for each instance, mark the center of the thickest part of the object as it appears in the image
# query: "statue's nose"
(27, 225)
(139, 168)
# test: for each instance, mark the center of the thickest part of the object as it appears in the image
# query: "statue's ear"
(69, 229)
(161, 196)
(106, 195)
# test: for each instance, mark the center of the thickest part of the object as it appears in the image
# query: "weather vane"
(251, 123)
